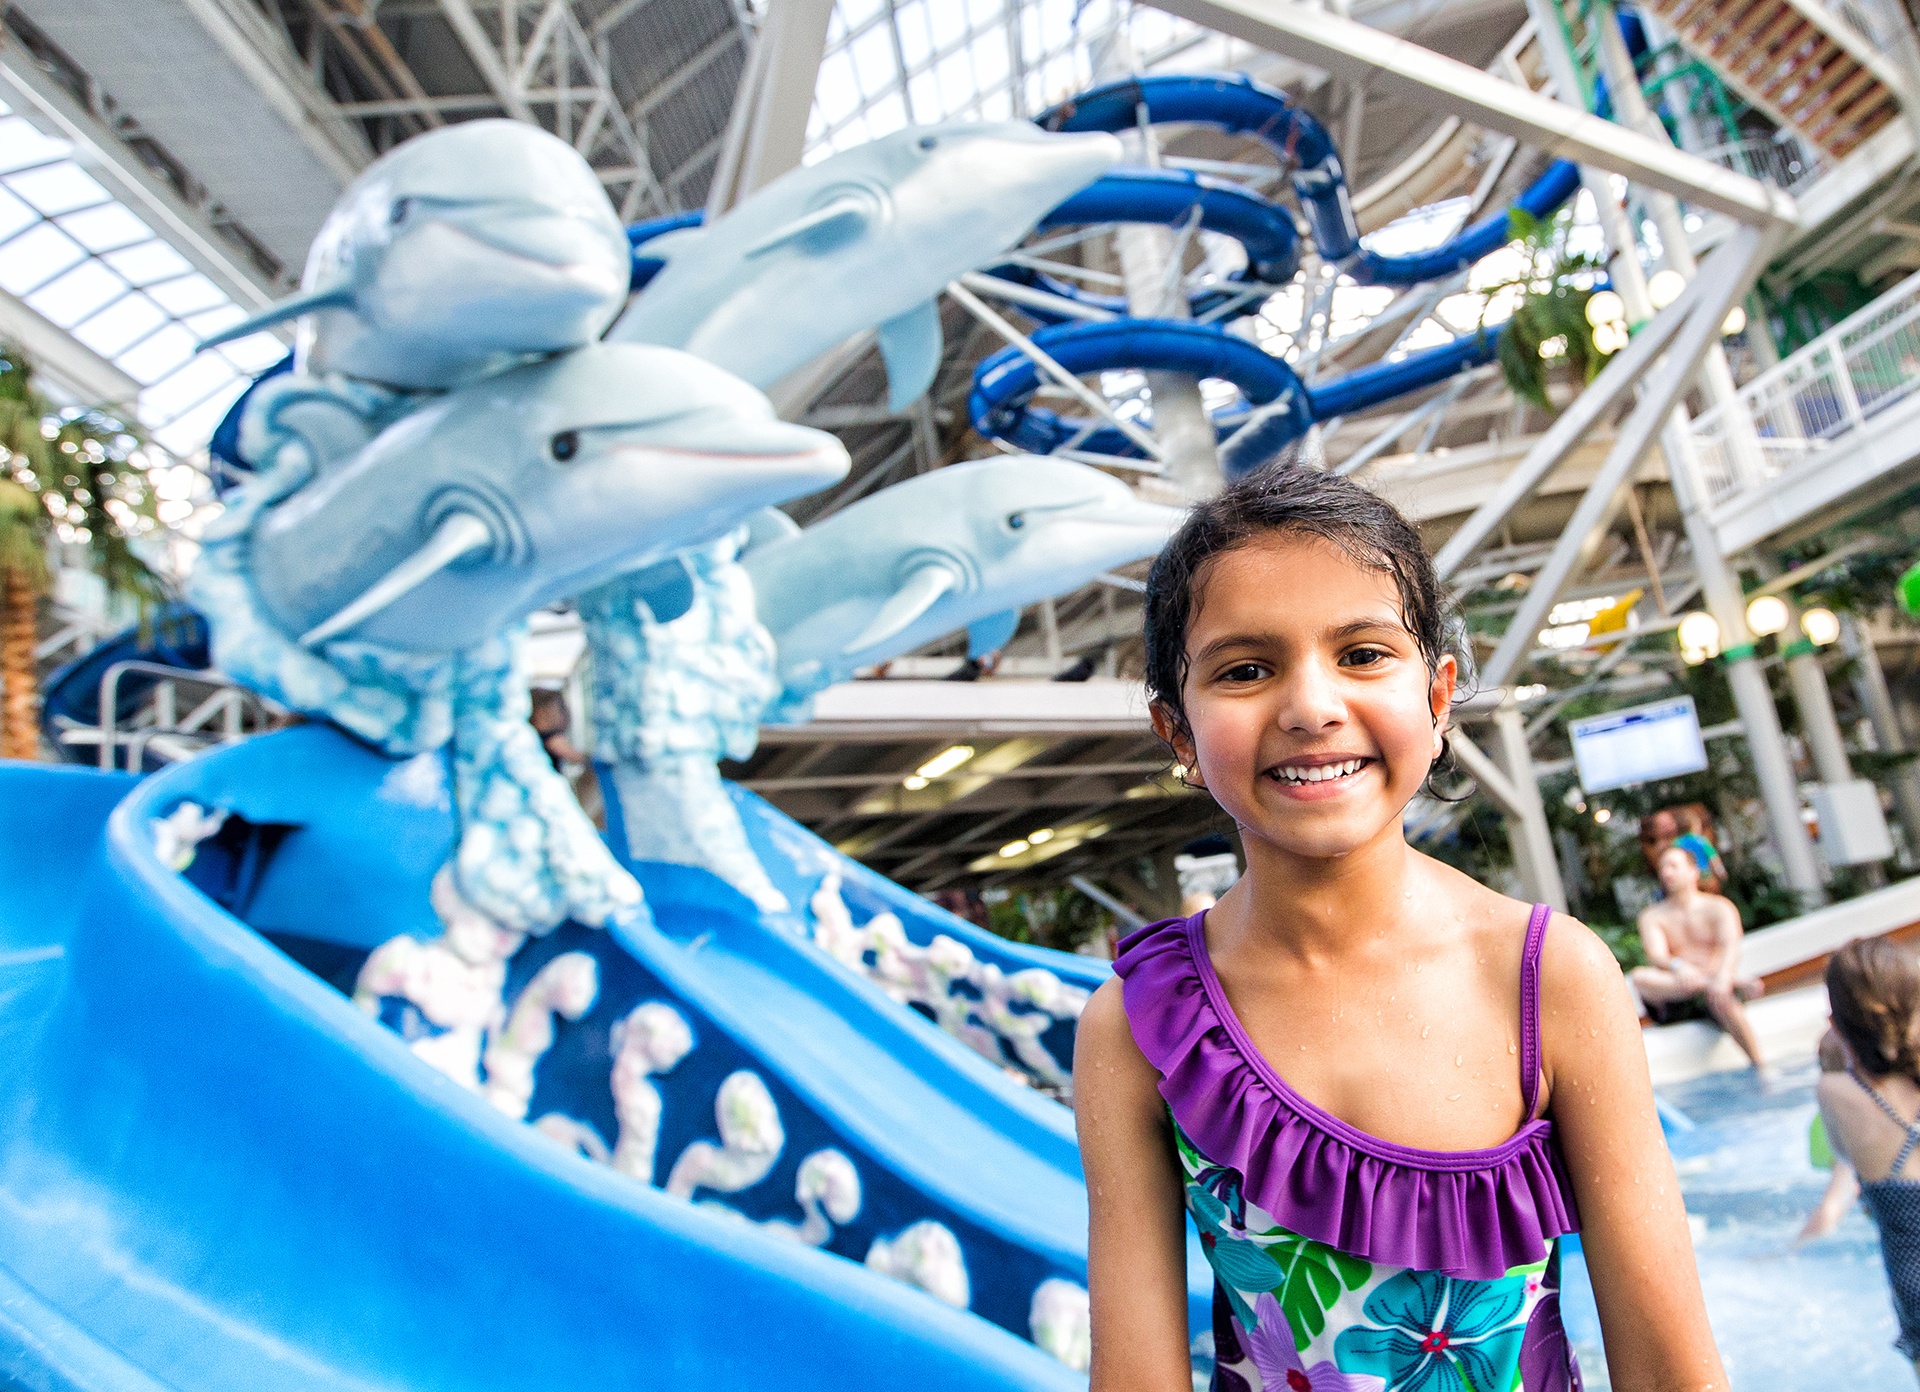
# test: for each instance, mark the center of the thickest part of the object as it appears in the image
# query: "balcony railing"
(1813, 401)
(1782, 161)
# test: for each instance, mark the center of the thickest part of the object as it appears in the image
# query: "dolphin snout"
(770, 451)
(551, 238)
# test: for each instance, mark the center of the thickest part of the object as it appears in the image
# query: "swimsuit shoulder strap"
(1530, 1007)
(1912, 1128)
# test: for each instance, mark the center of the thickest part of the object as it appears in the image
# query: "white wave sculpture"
(1002, 1015)
(828, 1190)
(651, 1040)
(926, 1255)
(567, 986)
(454, 981)
(1061, 1322)
(751, 1139)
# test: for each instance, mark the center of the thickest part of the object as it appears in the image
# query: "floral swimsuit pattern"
(1344, 1263)
(1291, 1313)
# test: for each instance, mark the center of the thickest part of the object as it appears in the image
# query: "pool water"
(1815, 1318)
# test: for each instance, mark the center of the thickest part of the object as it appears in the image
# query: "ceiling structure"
(124, 164)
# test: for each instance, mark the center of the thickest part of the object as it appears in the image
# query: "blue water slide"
(174, 635)
(645, 266)
(216, 1172)
(1235, 103)
(1541, 199)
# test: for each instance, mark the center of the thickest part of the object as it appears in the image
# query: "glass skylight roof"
(87, 263)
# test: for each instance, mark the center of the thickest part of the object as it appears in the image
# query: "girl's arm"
(1137, 1239)
(1633, 1225)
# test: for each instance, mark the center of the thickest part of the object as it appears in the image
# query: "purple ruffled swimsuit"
(1342, 1262)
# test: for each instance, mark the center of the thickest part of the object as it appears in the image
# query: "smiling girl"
(1384, 1092)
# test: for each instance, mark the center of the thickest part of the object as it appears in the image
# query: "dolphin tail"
(459, 535)
(909, 602)
(910, 346)
(339, 297)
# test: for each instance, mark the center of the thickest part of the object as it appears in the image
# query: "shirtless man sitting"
(1692, 942)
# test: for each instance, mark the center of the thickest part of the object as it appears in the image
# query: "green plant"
(1548, 330)
(70, 477)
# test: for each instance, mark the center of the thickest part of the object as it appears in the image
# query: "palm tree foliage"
(66, 476)
(1548, 331)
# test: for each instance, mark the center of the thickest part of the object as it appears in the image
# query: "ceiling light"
(1603, 816)
(1610, 338)
(1040, 837)
(1735, 321)
(946, 761)
(1822, 626)
(1767, 614)
(1664, 287)
(913, 782)
(1606, 307)
(1700, 630)
(1013, 848)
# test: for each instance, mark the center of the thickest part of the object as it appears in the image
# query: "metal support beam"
(1870, 685)
(466, 27)
(1386, 63)
(1526, 819)
(1511, 728)
(768, 129)
(1721, 283)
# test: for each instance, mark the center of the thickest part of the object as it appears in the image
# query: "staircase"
(1803, 66)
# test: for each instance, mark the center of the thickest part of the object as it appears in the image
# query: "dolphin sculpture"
(867, 237)
(962, 547)
(456, 253)
(523, 488)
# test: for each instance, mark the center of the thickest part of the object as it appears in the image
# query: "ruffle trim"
(1472, 1214)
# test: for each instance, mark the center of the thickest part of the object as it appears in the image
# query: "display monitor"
(1638, 745)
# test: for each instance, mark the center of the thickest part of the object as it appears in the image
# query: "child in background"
(1384, 1091)
(1873, 989)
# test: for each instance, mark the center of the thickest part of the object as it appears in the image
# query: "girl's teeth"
(1321, 772)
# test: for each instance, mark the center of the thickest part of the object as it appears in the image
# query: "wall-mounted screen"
(1638, 745)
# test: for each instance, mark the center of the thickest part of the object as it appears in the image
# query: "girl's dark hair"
(1873, 989)
(1292, 501)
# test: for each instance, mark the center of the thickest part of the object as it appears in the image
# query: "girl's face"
(1313, 714)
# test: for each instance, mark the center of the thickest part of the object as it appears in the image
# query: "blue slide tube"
(1235, 103)
(218, 1173)
(1541, 199)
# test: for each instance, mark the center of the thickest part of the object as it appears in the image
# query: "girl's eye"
(1363, 657)
(1243, 672)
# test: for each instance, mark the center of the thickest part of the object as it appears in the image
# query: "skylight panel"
(78, 293)
(58, 188)
(121, 325)
(148, 262)
(22, 145)
(105, 228)
(15, 216)
(188, 294)
(35, 257)
(158, 354)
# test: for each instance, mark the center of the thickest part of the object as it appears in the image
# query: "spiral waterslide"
(1275, 408)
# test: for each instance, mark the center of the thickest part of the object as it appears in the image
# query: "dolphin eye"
(399, 212)
(565, 445)
(927, 142)
(1016, 520)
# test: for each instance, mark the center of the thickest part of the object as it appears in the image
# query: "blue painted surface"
(218, 1172)
(175, 635)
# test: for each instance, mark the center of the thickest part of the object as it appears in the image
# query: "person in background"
(1844, 1185)
(1692, 942)
(552, 720)
(1872, 1111)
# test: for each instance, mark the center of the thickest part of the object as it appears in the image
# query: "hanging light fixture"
(1606, 307)
(1822, 626)
(1664, 287)
(1699, 637)
(1767, 615)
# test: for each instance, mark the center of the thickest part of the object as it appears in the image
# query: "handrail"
(225, 694)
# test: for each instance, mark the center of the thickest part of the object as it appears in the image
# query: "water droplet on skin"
(1513, 1048)
(1455, 1097)
(1427, 1031)
(1458, 1059)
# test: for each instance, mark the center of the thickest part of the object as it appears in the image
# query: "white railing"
(1783, 161)
(158, 727)
(1812, 401)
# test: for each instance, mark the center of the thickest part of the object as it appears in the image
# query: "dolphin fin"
(909, 602)
(338, 297)
(843, 216)
(766, 527)
(666, 588)
(992, 633)
(910, 346)
(458, 536)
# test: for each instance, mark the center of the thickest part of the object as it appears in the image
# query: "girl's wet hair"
(1873, 989)
(1294, 502)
